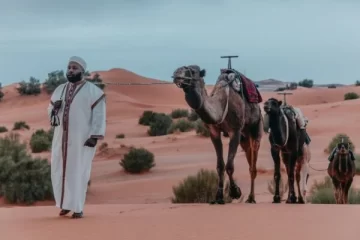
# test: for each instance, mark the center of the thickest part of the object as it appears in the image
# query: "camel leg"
(220, 165)
(304, 172)
(234, 191)
(275, 153)
(346, 190)
(336, 190)
(290, 171)
(252, 160)
(298, 169)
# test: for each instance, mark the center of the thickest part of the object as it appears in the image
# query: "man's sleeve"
(51, 103)
(98, 121)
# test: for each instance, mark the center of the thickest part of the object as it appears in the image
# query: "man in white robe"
(77, 110)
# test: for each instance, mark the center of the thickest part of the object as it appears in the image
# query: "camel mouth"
(267, 109)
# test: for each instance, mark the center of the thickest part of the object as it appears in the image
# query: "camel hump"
(298, 116)
(240, 82)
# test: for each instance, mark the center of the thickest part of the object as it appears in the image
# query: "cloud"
(283, 39)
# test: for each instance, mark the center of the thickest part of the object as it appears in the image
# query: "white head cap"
(79, 61)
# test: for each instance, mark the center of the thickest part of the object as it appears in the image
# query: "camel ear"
(280, 102)
(202, 73)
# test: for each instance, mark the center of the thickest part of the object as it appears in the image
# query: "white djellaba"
(81, 116)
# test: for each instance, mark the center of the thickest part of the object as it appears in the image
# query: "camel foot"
(250, 199)
(301, 200)
(219, 198)
(235, 192)
(218, 201)
(291, 199)
(276, 199)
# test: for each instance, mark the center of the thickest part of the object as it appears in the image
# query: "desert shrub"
(179, 113)
(280, 89)
(138, 160)
(96, 79)
(283, 187)
(337, 139)
(160, 125)
(103, 146)
(193, 116)
(201, 129)
(199, 188)
(3, 129)
(147, 117)
(1, 95)
(41, 140)
(357, 163)
(55, 79)
(308, 83)
(182, 125)
(21, 125)
(323, 193)
(351, 96)
(23, 179)
(121, 135)
(331, 86)
(29, 88)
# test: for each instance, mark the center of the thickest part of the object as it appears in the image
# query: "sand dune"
(177, 156)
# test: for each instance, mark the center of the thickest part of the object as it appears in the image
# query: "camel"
(226, 110)
(288, 140)
(342, 171)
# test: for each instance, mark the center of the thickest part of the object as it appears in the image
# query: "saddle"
(242, 84)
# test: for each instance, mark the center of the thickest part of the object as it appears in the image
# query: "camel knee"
(220, 167)
(253, 172)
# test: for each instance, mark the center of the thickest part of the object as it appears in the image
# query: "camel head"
(272, 105)
(343, 148)
(189, 77)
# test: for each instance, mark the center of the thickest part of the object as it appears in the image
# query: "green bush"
(201, 129)
(23, 179)
(323, 193)
(3, 129)
(337, 139)
(308, 83)
(41, 141)
(121, 135)
(199, 188)
(193, 116)
(21, 125)
(179, 113)
(55, 79)
(160, 125)
(147, 117)
(137, 160)
(182, 125)
(351, 96)
(357, 163)
(33, 87)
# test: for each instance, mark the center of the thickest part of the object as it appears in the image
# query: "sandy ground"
(121, 205)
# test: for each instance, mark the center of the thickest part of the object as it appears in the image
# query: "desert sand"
(124, 206)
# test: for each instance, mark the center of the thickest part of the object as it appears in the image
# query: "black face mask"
(74, 77)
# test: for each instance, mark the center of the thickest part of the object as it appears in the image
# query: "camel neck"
(275, 126)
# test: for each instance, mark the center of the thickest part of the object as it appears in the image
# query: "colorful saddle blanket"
(251, 93)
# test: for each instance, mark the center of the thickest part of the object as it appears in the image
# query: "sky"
(287, 40)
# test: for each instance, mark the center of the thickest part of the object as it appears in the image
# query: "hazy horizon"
(281, 39)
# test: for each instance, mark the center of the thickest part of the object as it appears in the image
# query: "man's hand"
(91, 142)
(57, 104)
